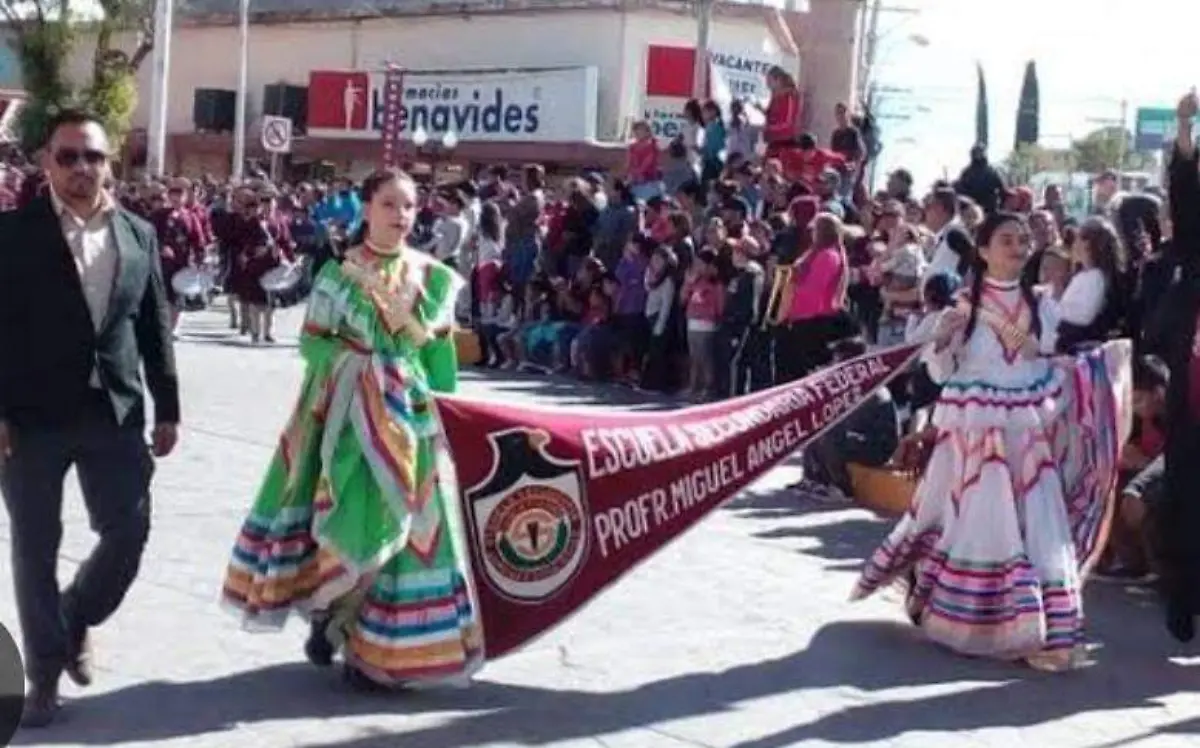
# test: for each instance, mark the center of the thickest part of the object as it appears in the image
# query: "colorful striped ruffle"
(997, 608)
(276, 566)
(416, 627)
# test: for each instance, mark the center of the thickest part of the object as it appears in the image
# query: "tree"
(981, 109)
(1025, 161)
(46, 34)
(1108, 148)
(1028, 109)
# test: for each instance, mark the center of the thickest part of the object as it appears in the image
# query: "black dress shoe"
(79, 660)
(359, 681)
(1181, 622)
(41, 705)
(318, 649)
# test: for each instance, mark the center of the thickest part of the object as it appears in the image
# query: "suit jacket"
(49, 345)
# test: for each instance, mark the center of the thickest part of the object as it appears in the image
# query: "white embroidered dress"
(1015, 494)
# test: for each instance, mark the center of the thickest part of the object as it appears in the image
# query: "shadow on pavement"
(867, 656)
(1131, 671)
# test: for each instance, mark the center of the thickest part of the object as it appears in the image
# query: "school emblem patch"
(528, 515)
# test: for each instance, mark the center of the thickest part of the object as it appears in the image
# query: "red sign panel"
(339, 100)
(670, 71)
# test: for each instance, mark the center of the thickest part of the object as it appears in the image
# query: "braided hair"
(987, 230)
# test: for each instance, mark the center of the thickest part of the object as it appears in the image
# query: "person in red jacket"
(806, 162)
(782, 112)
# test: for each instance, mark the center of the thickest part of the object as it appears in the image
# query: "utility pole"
(156, 152)
(1123, 152)
(869, 27)
(870, 48)
(239, 122)
(704, 14)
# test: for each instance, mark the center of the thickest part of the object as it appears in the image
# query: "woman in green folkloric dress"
(357, 523)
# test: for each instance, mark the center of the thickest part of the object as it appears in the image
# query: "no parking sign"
(276, 134)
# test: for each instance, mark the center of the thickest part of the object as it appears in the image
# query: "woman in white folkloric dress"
(1014, 498)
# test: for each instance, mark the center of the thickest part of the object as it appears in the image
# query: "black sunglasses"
(70, 157)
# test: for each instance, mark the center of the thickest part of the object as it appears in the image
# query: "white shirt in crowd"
(921, 328)
(904, 261)
(450, 236)
(489, 249)
(501, 313)
(658, 305)
(944, 259)
(1083, 299)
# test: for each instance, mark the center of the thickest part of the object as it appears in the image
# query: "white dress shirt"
(94, 250)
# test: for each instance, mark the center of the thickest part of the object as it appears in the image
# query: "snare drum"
(193, 288)
(283, 284)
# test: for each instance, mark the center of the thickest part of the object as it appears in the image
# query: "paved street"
(738, 636)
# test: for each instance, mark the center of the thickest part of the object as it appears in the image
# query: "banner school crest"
(560, 503)
(528, 515)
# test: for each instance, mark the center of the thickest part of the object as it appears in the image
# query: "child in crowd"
(938, 293)
(1142, 470)
(486, 290)
(659, 312)
(1054, 272)
(678, 169)
(573, 304)
(742, 361)
(591, 351)
(533, 338)
(712, 150)
(899, 270)
(632, 327)
(703, 298)
(645, 178)
(498, 317)
(658, 220)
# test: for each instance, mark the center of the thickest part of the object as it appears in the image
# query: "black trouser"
(114, 468)
(1178, 524)
(825, 459)
(743, 361)
(803, 347)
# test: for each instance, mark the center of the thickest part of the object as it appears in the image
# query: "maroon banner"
(560, 503)
(393, 93)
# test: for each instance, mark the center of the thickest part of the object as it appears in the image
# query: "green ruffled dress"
(357, 522)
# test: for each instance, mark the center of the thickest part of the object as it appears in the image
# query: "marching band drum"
(194, 286)
(284, 284)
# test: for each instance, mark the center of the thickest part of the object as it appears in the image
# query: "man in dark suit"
(82, 309)
(1173, 334)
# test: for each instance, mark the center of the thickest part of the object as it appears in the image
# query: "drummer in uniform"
(180, 242)
(260, 243)
(194, 201)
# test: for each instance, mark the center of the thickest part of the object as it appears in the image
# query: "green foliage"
(1108, 148)
(43, 49)
(1025, 161)
(47, 35)
(113, 97)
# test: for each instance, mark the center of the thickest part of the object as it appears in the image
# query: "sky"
(1091, 55)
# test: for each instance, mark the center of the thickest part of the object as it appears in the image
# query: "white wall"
(614, 42)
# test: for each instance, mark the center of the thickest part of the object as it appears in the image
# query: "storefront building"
(558, 83)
